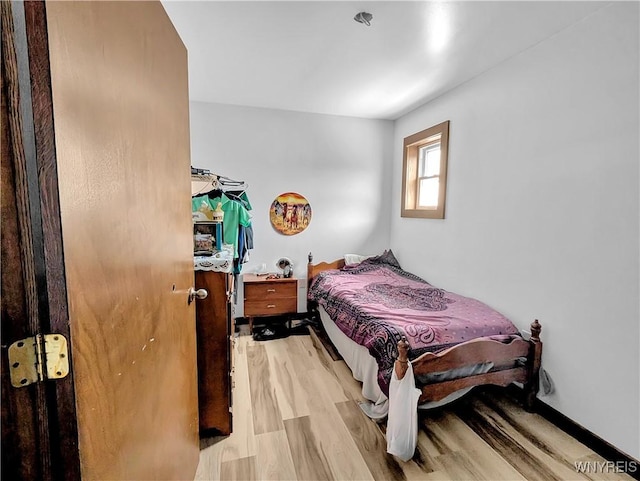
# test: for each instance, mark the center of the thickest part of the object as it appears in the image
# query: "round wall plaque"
(290, 213)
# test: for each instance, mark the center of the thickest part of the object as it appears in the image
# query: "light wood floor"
(296, 417)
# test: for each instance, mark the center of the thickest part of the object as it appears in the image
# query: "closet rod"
(205, 177)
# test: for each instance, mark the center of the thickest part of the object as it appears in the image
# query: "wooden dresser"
(215, 327)
(269, 297)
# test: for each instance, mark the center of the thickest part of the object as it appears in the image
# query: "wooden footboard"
(507, 359)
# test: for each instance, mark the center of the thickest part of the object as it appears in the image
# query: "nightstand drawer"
(269, 290)
(269, 307)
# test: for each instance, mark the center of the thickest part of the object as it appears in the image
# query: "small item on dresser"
(203, 244)
(228, 248)
(285, 264)
(218, 214)
(218, 237)
(201, 210)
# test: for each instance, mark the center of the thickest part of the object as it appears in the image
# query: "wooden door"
(119, 136)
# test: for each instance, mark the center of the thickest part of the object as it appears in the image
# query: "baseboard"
(580, 433)
(586, 437)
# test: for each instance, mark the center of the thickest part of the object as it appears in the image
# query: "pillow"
(386, 257)
(353, 259)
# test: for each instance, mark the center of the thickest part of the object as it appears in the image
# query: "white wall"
(542, 210)
(340, 164)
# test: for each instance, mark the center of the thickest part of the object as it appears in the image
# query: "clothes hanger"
(211, 181)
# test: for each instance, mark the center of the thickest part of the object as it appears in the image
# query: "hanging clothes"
(202, 205)
(246, 234)
(240, 196)
(236, 226)
(235, 215)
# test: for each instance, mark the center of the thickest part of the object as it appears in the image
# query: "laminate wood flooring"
(296, 417)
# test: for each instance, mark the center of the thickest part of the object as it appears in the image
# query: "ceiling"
(311, 56)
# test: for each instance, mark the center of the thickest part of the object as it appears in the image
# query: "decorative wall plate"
(290, 213)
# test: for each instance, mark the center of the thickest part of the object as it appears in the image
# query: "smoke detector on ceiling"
(363, 17)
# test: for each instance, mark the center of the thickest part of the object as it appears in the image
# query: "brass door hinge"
(37, 358)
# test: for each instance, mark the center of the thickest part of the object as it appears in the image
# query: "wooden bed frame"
(506, 367)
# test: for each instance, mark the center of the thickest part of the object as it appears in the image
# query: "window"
(424, 180)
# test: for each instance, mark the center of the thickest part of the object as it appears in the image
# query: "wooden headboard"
(314, 269)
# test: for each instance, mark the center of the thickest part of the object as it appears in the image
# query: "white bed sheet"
(365, 369)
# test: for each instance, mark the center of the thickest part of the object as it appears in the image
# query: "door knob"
(199, 294)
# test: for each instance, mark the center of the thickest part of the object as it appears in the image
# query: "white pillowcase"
(353, 259)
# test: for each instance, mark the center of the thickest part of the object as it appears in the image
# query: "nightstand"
(269, 297)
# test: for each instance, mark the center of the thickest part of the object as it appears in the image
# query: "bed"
(455, 343)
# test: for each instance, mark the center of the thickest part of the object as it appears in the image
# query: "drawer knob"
(271, 290)
(271, 306)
